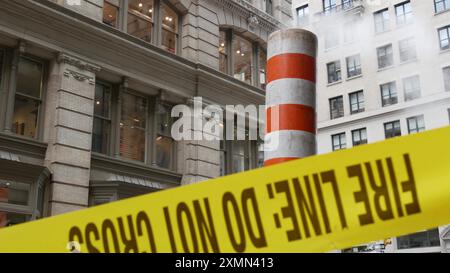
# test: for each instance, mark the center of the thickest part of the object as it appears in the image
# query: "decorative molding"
(79, 77)
(67, 59)
(246, 9)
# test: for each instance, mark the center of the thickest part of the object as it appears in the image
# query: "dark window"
(334, 71)
(404, 13)
(441, 5)
(223, 51)
(269, 7)
(329, 5)
(428, 238)
(28, 97)
(353, 66)
(101, 132)
(262, 68)
(1, 66)
(357, 102)
(339, 142)
(446, 71)
(444, 37)
(411, 86)
(407, 50)
(359, 137)
(337, 107)
(302, 14)
(165, 145)
(416, 124)
(392, 129)
(389, 94)
(381, 21)
(385, 56)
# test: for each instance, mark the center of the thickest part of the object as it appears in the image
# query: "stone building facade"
(87, 88)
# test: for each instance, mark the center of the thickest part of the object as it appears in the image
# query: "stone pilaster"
(68, 131)
(198, 160)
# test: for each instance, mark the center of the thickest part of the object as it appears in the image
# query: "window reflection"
(140, 19)
(133, 127)
(28, 97)
(262, 68)
(223, 51)
(243, 52)
(169, 28)
(102, 122)
(164, 142)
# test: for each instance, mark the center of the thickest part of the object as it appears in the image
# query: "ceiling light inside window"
(140, 5)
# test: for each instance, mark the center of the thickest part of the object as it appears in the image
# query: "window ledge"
(355, 77)
(410, 61)
(441, 12)
(334, 83)
(385, 68)
(443, 51)
(136, 169)
(331, 48)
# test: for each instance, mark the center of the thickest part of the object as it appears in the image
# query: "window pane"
(243, 52)
(140, 23)
(14, 192)
(1, 67)
(102, 100)
(164, 152)
(223, 52)
(337, 107)
(101, 135)
(447, 78)
(428, 238)
(412, 88)
(262, 68)
(164, 119)
(381, 21)
(111, 13)
(25, 116)
(169, 28)
(29, 77)
(133, 127)
(10, 219)
(389, 94)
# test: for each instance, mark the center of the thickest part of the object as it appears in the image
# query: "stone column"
(68, 130)
(198, 160)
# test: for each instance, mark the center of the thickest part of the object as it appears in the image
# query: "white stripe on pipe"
(292, 41)
(291, 91)
(297, 144)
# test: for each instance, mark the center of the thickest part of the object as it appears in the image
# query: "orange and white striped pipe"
(290, 96)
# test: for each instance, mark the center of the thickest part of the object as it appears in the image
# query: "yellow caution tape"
(317, 204)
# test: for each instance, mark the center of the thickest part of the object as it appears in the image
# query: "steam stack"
(291, 96)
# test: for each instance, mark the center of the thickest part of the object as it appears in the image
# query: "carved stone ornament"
(65, 58)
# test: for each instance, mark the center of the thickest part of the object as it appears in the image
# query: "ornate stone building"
(87, 88)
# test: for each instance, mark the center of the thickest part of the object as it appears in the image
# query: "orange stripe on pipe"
(291, 65)
(280, 160)
(291, 117)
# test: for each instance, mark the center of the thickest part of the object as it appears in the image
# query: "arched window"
(154, 21)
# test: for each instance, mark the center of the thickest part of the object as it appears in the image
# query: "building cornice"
(247, 10)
